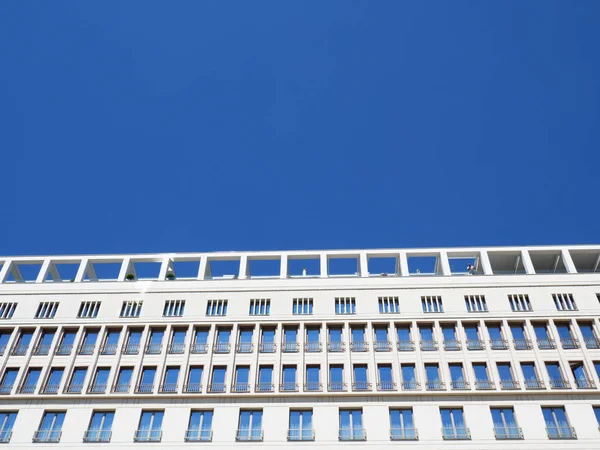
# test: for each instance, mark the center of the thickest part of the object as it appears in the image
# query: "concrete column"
(324, 265)
(43, 271)
(243, 268)
(165, 266)
(527, 263)
(5, 270)
(445, 264)
(125, 269)
(568, 261)
(363, 267)
(283, 272)
(204, 269)
(403, 262)
(485, 263)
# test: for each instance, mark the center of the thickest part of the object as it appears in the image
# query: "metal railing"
(144, 388)
(64, 349)
(484, 385)
(268, 347)
(475, 344)
(561, 433)
(336, 386)
(498, 344)
(41, 350)
(522, 344)
(5, 436)
(153, 349)
(386, 386)
(2, 349)
(50, 388)
(217, 387)
(534, 384)
(99, 388)
(168, 388)
(222, 347)
(359, 346)
(192, 387)
(591, 342)
(557, 383)
(459, 385)
(249, 434)
(74, 388)
(405, 346)
(27, 389)
(451, 344)
(304, 434)
(6, 389)
(147, 435)
(312, 347)
(410, 385)
(313, 387)
(361, 386)
(109, 349)
(194, 435)
(545, 344)
(429, 345)
(240, 387)
(456, 433)
(585, 383)
(288, 387)
(120, 388)
(200, 347)
(47, 436)
(382, 346)
(435, 386)
(569, 343)
(508, 432)
(404, 434)
(335, 346)
(508, 385)
(244, 347)
(176, 347)
(131, 349)
(264, 387)
(290, 347)
(352, 434)
(19, 350)
(97, 436)
(87, 349)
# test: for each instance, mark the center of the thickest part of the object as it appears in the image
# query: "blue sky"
(199, 126)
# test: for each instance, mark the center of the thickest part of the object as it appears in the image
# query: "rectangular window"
(567, 340)
(44, 342)
(100, 428)
(170, 381)
(360, 378)
(7, 421)
(51, 427)
(154, 346)
(564, 302)
(88, 310)
(8, 380)
(150, 427)
(557, 423)
(351, 425)
(453, 424)
(301, 428)
(65, 346)
(505, 424)
(532, 380)
(267, 340)
(482, 376)
(265, 379)
(597, 414)
(385, 378)
(242, 374)
(335, 342)
(382, 339)
(433, 383)
(313, 378)
(451, 343)
(589, 335)
(357, 343)
(194, 380)
(77, 379)
(123, 380)
(555, 374)
(474, 341)
(432, 304)
(7, 310)
(174, 308)
(200, 426)
(53, 381)
(218, 380)
(46, 310)
(457, 375)
(260, 307)
(507, 380)
(131, 309)
(313, 339)
(302, 306)
(21, 346)
(146, 385)
(409, 378)
(519, 302)
(31, 379)
(581, 377)
(177, 344)
(476, 303)
(428, 343)
(111, 341)
(250, 426)
(497, 341)
(133, 342)
(200, 340)
(345, 305)
(520, 340)
(223, 336)
(543, 336)
(336, 378)
(100, 382)
(4, 338)
(289, 381)
(90, 336)
(290, 339)
(405, 341)
(216, 308)
(402, 425)
(389, 305)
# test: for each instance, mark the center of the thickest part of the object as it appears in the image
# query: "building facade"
(435, 348)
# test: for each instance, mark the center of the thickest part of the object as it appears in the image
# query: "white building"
(384, 348)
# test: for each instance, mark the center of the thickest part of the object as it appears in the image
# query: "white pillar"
(527, 263)
(283, 272)
(444, 263)
(485, 263)
(165, 265)
(5, 270)
(125, 269)
(363, 267)
(324, 265)
(403, 261)
(204, 269)
(568, 261)
(43, 271)
(243, 267)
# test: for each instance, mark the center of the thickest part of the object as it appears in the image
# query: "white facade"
(422, 291)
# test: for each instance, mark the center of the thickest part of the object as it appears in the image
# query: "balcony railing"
(109, 349)
(121, 388)
(131, 349)
(456, 433)
(405, 346)
(556, 383)
(522, 344)
(168, 388)
(459, 385)
(147, 435)
(2, 349)
(404, 434)
(382, 346)
(240, 387)
(386, 386)
(47, 436)
(545, 344)
(336, 386)
(144, 388)
(591, 342)
(410, 385)
(561, 432)
(5, 436)
(249, 434)
(244, 347)
(508, 432)
(264, 387)
(177, 348)
(153, 349)
(97, 436)
(585, 383)
(475, 344)
(64, 349)
(268, 347)
(498, 344)
(194, 435)
(451, 344)
(304, 434)
(313, 387)
(50, 388)
(192, 388)
(484, 385)
(6, 389)
(335, 346)
(569, 343)
(312, 347)
(435, 386)
(27, 389)
(353, 434)
(508, 385)
(534, 384)
(429, 345)
(200, 347)
(359, 346)
(41, 350)
(361, 386)
(222, 347)
(217, 387)
(87, 349)
(290, 347)
(98, 388)
(74, 388)
(19, 350)
(288, 387)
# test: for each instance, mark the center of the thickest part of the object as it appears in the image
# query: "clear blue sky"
(197, 126)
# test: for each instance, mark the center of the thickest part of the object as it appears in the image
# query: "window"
(88, 310)
(123, 380)
(200, 426)
(482, 376)
(21, 346)
(428, 343)
(357, 342)
(200, 340)
(589, 335)
(66, 343)
(8, 380)
(313, 378)
(557, 380)
(290, 339)
(542, 335)
(4, 338)
(361, 379)
(222, 345)
(7, 421)
(289, 379)
(405, 341)
(505, 424)
(267, 340)
(453, 424)
(194, 380)
(519, 302)
(432, 304)
(336, 378)
(301, 426)
(111, 342)
(131, 309)
(386, 378)
(401, 425)
(218, 380)
(245, 340)
(77, 379)
(564, 302)
(146, 385)
(88, 345)
(53, 381)
(134, 339)
(382, 340)
(302, 306)
(46, 310)
(580, 374)
(345, 305)
(100, 382)
(250, 426)
(241, 379)
(31, 379)
(507, 380)
(265, 379)
(409, 379)
(335, 342)
(557, 423)
(476, 303)
(177, 340)
(216, 308)
(566, 336)
(260, 307)
(174, 308)
(44, 342)
(100, 428)
(6, 311)
(520, 340)
(451, 343)
(474, 341)
(351, 428)
(497, 341)
(532, 381)
(149, 429)
(457, 376)
(597, 414)
(51, 427)
(433, 383)
(313, 339)
(171, 379)
(154, 346)
(389, 305)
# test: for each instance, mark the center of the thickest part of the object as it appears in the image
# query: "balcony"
(386, 386)
(244, 347)
(546, 344)
(153, 349)
(404, 434)
(176, 348)
(484, 385)
(556, 383)
(109, 349)
(121, 388)
(97, 436)
(144, 388)
(498, 344)
(168, 388)
(503, 433)
(268, 347)
(410, 385)
(382, 346)
(264, 387)
(74, 388)
(64, 349)
(591, 342)
(533, 384)
(288, 387)
(305, 434)
(522, 344)
(313, 347)
(405, 346)
(569, 343)
(359, 346)
(5, 436)
(47, 436)
(429, 345)
(361, 386)
(290, 347)
(192, 388)
(435, 385)
(50, 389)
(87, 349)
(509, 385)
(147, 436)
(313, 387)
(451, 344)
(585, 383)
(19, 350)
(336, 386)
(131, 349)
(247, 434)
(222, 347)
(200, 347)
(99, 388)
(6, 389)
(335, 346)
(456, 433)
(561, 433)
(240, 387)
(475, 344)
(459, 385)
(353, 434)
(217, 387)
(193, 435)
(41, 350)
